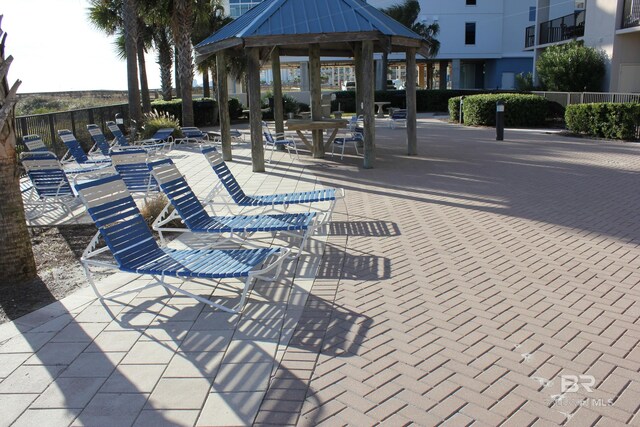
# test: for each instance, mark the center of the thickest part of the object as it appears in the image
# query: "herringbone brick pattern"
(469, 279)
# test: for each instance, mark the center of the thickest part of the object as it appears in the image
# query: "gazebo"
(337, 28)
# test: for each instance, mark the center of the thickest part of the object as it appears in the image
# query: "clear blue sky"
(55, 48)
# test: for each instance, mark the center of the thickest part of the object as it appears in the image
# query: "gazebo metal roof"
(294, 24)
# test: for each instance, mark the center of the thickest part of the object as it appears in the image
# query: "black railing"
(48, 125)
(564, 28)
(530, 36)
(631, 13)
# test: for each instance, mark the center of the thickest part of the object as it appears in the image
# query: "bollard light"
(461, 105)
(499, 121)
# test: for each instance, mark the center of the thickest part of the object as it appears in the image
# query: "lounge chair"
(162, 138)
(228, 181)
(188, 208)
(192, 134)
(398, 117)
(134, 167)
(34, 143)
(131, 243)
(50, 185)
(119, 138)
(278, 141)
(99, 140)
(341, 142)
(75, 151)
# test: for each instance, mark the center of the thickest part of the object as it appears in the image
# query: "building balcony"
(563, 28)
(631, 14)
(530, 36)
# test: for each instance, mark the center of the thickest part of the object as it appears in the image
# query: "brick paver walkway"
(463, 283)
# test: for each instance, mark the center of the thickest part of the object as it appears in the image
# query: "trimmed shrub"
(454, 108)
(605, 120)
(520, 110)
(289, 103)
(156, 120)
(235, 108)
(205, 110)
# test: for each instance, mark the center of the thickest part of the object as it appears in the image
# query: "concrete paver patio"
(472, 283)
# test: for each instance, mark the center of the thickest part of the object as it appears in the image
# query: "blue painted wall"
(495, 68)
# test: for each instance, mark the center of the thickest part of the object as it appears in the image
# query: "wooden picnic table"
(300, 125)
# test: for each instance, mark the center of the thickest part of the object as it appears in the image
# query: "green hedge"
(605, 120)
(205, 110)
(431, 100)
(519, 110)
(554, 110)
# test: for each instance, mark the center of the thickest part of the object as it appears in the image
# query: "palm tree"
(16, 260)
(181, 26)
(407, 13)
(120, 16)
(158, 20)
(130, 16)
(208, 18)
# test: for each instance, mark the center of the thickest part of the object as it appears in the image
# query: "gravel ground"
(57, 252)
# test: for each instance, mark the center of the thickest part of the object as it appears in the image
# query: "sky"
(55, 48)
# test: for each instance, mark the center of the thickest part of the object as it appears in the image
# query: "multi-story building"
(479, 40)
(612, 26)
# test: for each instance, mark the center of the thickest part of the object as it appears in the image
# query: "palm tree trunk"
(165, 61)
(130, 36)
(16, 255)
(177, 75)
(206, 89)
(144, 84)
(181, 21)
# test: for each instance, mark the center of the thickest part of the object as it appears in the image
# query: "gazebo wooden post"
(412, 140)
(368, 99)
(316, 97)
(223, 105)
(255, 114)
(357, 59)
(278, 110)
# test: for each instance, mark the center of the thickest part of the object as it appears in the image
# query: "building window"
(471, 2)
(238, 7)
(532, 13)
(470, 33)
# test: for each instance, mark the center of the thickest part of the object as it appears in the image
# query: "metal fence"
(48, 125)
(568, 98)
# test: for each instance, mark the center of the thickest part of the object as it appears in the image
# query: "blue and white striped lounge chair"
(228, 181)
(341, 142)
(162, 138)
(34, 143)
(192, 134)
(119, 138)
(278, 141)
(398, 117)
(100, 142)
(134, 167)
(131, 243)
(75, 151)
(50, 185)
(188, 208)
